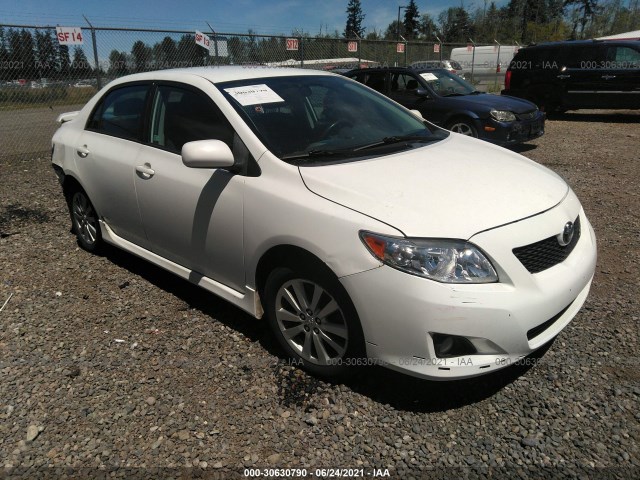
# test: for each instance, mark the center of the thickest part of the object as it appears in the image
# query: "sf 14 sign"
(69, 35)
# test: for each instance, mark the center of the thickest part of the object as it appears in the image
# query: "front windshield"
(322, 116)
(447, 84)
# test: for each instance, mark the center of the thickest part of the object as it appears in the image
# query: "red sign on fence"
(352, 46)
(399, 47)
(292, 44)
(436, 48)
(469, 47)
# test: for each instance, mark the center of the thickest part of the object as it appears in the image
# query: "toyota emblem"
(566, 236)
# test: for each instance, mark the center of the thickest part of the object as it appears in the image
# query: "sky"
(230, 16)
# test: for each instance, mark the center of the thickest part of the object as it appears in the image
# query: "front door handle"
(145, 170)
(608, 77)
(82, 151)
(563, 76)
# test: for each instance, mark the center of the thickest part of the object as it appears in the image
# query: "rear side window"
(623, 57)
(182, 115)
(121, 112)
(373, 80)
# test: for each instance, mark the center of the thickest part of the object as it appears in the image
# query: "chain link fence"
(41, 78)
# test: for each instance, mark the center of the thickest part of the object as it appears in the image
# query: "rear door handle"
(563, 76)
(82, 151)
(145, 170)
(608, 77)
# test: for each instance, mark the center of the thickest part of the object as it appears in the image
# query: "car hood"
(454, 188)
(511, 104)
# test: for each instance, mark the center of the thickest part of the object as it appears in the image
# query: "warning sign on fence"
(400, 47)
(436, 48)
(352, 46)
(202, 40)
(292, 44)
(69, 35)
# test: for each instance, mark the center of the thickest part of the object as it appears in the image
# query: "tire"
(84, 220)
(463, 126)
(314, 321)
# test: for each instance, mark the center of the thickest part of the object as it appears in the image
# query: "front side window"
(403, 83)
(182, 115)
(121, 112)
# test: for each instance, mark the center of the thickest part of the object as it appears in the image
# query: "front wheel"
(314, 321)
(465, 127)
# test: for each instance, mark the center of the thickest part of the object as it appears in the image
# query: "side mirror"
(417, 114)
(423, 92)
(207, 154)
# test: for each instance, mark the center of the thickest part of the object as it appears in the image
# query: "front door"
(191, 216)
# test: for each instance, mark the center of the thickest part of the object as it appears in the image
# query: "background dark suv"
(561, 76)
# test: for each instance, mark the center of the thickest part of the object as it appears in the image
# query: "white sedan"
(361, 232)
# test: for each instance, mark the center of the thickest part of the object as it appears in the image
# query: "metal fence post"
(95, 53)
(498, 66)
(473, 58)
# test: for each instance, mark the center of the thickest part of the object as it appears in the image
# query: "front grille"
(546, 253)
(526, 116)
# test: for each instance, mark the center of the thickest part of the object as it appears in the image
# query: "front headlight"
(502, 115)
(447, 261)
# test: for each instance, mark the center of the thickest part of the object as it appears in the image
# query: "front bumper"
(511, 133)
(400, 312)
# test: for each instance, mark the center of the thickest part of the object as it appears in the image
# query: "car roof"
(397, 69)
(219, 74)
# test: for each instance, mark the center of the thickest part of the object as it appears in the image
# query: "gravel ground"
(113, 367)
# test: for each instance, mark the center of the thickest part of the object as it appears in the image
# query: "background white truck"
(483, 64)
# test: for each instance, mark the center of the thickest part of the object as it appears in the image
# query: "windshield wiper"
(476, 92)
(394, 139)
(314, 153)
(455, 94)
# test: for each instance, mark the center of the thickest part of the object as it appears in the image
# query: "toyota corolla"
(359, 231)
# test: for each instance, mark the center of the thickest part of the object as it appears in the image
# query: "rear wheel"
(314, 321)
(84, 220)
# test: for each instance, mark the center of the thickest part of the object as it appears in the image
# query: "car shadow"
(379, 384)
(608, 116)
(523, 147)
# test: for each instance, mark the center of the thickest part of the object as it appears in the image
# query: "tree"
(354, 20)
(189, 53)
(46, 53)
(588, 9)
(411, 21)
(164, 53)
(80, 65)
(455, 25)
(64, 61)
(391, 33)
(118, 63)
(4, 57)
(141, 56)
(427, 27)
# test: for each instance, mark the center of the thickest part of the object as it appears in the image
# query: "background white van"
(485, 61)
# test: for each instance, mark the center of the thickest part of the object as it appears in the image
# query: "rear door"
(582, 76)
(620, 78)
(106, 156)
